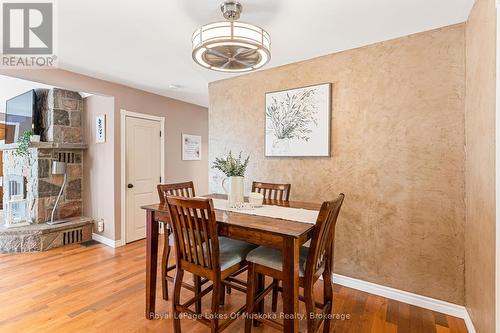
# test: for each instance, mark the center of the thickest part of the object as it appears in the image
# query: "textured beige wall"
(480, 166)
(397, 152)
(180, 117)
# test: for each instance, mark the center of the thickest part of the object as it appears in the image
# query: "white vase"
(235, 193)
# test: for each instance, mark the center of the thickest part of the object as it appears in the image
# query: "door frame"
(497, 174)
(123, 168)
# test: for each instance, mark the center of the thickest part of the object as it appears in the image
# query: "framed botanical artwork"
(298, 122)
(191, 147)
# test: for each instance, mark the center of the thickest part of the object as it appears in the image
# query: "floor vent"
(72, 236)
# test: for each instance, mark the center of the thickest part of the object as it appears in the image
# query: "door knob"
(130, 185)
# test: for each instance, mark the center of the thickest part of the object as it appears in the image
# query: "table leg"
(151, 263)
(291, 284)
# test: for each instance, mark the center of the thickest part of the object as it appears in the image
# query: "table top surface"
(254, 222)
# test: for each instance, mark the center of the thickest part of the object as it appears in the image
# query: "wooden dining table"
(285, 235)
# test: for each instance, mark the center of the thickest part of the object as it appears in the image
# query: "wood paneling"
(100, 289)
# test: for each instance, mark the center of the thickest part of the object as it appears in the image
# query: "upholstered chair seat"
(273, 258)
(233, 251)
(171, 239)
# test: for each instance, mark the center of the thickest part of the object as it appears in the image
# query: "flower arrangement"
(231, 166)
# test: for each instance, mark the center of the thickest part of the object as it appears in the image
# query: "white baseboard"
(468, 322)
(107, 241)
(407, 297)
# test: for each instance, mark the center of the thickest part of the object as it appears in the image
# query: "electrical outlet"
(100, 225)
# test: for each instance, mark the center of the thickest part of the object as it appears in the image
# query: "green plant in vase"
(23, 144)
(234, 168)
(231, 166)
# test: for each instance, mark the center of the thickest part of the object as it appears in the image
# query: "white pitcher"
(235, 194)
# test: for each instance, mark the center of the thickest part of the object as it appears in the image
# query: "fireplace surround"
(31, 184)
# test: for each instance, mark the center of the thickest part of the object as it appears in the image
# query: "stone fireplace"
(30, 184)
(42, 187)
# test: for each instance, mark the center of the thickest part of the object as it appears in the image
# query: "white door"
(143, 172)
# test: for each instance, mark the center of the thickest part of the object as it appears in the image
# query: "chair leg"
(251, 286)
(260, 287)
(197, 291)
(176, 300)
(214, 323)
(310, 308)
(164, 265)
(328, 299)
(275, 295)
(222, 295)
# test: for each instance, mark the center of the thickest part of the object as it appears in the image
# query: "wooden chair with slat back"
(200, 251)
(315, 261)
(185, 189)
(272, 191)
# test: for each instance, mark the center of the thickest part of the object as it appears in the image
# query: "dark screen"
(19, 116)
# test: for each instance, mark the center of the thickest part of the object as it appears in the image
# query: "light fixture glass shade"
(231, 46)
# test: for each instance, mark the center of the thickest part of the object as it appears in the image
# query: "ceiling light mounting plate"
(231, 10)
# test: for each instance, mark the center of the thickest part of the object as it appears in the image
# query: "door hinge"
(160, 179)
(160, 133)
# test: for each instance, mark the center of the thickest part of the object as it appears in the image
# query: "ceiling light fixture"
(231, 46)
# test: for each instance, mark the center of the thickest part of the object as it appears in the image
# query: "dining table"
(286, 235)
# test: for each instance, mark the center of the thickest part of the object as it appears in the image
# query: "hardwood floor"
(100, 289)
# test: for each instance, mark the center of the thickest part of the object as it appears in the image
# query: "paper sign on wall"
(191, 147)
(100, 129)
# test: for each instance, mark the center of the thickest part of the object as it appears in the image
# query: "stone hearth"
(43, 237)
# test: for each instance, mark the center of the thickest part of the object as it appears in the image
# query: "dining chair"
(201, 251)
(314, 261)
(185, 189)
(272, 191)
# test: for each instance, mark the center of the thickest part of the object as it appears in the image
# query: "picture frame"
(100, 129)
(191, 147)
(298, 122)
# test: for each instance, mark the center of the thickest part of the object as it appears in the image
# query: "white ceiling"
(146, 44)
(12, 87)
